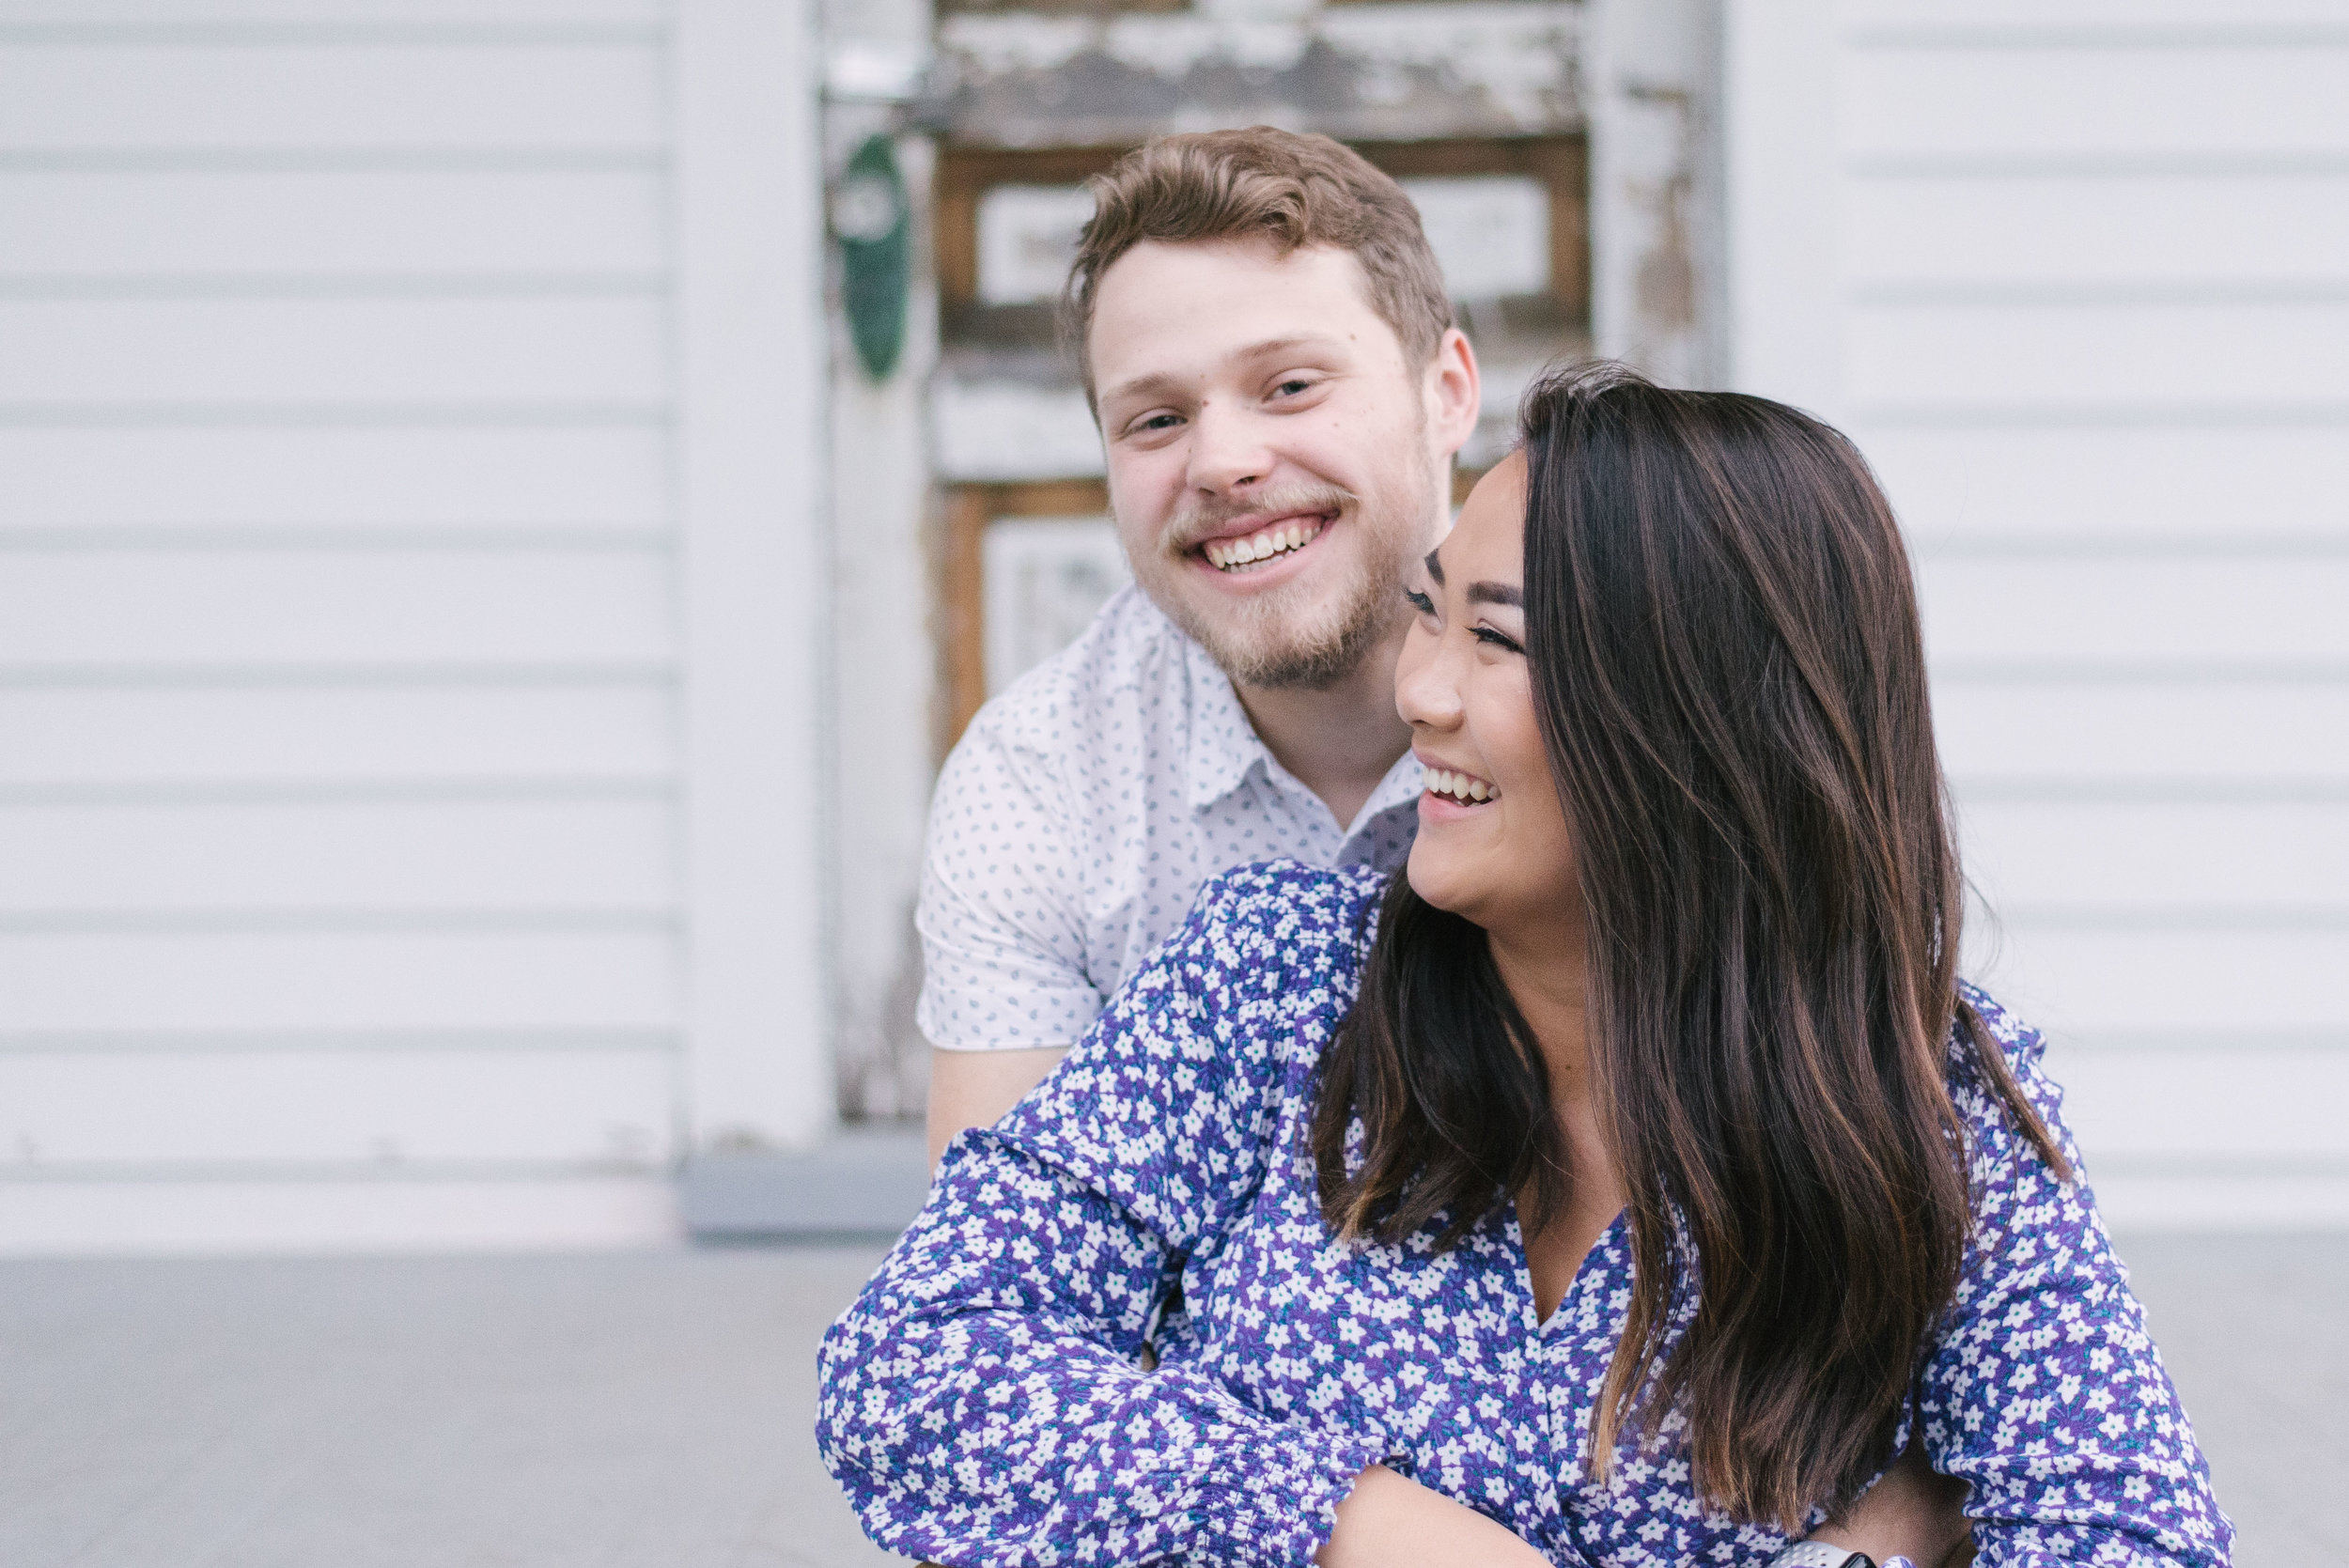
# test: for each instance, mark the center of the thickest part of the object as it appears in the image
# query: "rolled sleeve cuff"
(1286, 1508)
(1254, 1489)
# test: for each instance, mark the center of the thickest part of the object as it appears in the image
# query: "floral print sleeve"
(2044, 1393)
(981, 1401)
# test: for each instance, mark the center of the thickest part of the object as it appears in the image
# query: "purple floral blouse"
(982, 1404)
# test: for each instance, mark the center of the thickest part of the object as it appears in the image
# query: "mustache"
(1203, 518)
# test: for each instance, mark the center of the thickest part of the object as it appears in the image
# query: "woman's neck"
(1545, 972)
(1543, 969)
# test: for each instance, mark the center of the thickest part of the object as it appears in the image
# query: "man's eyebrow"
(1157, 384)
(1284, 345)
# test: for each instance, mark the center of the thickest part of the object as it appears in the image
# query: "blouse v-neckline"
(1595, 1256)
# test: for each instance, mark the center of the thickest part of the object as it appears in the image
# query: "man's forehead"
(1218, 298)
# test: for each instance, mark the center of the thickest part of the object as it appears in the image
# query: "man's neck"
(1338, 741)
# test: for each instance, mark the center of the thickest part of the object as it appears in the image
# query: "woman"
(1629, 1182)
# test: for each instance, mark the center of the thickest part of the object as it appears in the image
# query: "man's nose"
(1227, 450)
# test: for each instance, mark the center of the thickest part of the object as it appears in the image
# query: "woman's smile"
(1452, 793)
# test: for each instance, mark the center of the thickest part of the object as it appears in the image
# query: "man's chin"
(1308, 633)
(1285, 657)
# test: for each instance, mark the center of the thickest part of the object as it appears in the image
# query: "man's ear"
(1454, 392)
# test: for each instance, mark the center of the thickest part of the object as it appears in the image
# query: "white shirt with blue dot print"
(1082, 812)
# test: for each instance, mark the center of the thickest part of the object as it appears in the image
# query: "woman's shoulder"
(2015, 1040)
(1985, 1025)
(1289, 911)
(1281, 935)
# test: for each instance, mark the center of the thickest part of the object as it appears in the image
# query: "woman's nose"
(1426, 694)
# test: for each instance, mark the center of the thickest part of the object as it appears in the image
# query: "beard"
(1314, 632)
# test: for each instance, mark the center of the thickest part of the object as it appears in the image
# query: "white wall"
(343, 898)
(2076, 275)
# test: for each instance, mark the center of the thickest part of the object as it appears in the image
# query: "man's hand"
(1912, 1512)
(1389, 1522)
(973, 1088)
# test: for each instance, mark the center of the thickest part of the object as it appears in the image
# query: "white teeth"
(1229, 554)
(1460, 786)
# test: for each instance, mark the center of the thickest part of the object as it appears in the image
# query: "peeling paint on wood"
(1374, 73)
(1655, 230)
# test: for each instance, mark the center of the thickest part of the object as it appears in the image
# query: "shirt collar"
(1222, 748)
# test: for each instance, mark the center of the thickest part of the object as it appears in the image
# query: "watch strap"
(1821, 1554)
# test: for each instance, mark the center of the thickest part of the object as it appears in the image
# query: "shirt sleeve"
(2044, 1393)
(980, 1401)
(1000, 913)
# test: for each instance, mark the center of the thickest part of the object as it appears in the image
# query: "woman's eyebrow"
(1494, 593)
(1435, 567)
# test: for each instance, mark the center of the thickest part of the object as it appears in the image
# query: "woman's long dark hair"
(1730, 685)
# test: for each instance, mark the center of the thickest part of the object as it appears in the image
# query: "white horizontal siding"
(371, 96)
(2221, 738)
(115, 355)
(1961, 356)
(539, 15)
(2234, 232)
(2087, 312)
(2193, 480)
(376, 855)
(2125, 99)
(381, 981)
(2131, 986)
(328, 481)
(2105, 18)
(133, 1111)
(2188, 1105)
(2162, 859)
(105, 742)
(337, 643)
(2212, 612)
(144, 611)
(88, 230)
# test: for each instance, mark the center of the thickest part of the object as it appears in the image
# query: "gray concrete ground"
(606, 1412)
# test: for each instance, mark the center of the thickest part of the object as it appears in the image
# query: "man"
(1269, 349)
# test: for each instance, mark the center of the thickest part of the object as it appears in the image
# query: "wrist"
(1814, 1552)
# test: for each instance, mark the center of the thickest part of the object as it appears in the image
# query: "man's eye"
(1156, 421)
(1293, 387)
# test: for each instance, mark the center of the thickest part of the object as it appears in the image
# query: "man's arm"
(973, 1088)
(1004, 991)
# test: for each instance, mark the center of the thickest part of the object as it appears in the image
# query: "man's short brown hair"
(1279, 187)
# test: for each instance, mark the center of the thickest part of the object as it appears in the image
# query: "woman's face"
(1492, 844)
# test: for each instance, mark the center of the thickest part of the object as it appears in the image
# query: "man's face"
(1275, 464)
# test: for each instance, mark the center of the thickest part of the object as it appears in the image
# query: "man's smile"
(1246, 552)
